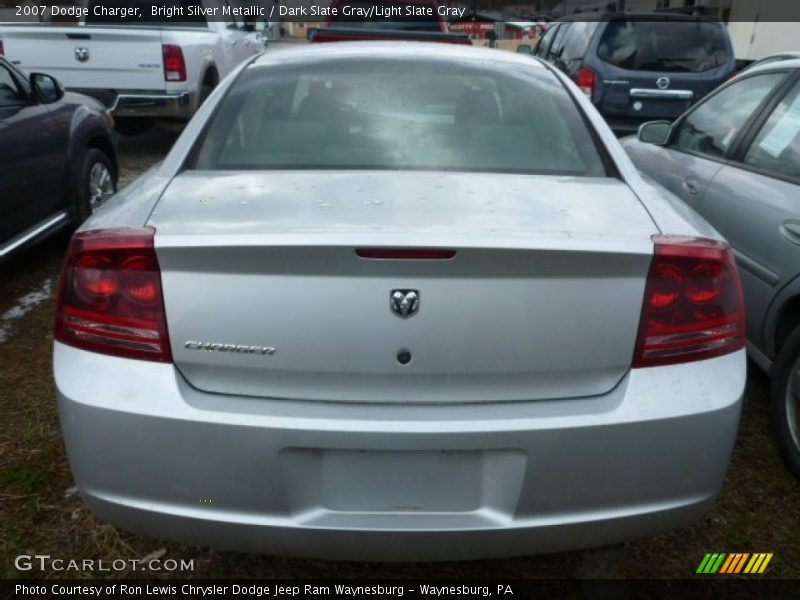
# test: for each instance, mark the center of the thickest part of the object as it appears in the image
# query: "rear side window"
(544, 45)
(776, 149)
(711, 128)
(577, 42)
(409, 114)
(558, 40)
(9, 92)
(674, 46)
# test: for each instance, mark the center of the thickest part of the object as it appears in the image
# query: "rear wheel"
(786, 402)
(96, 184)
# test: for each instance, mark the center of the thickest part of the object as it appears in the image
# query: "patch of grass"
(22, 479)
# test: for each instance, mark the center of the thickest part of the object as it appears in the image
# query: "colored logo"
(732, 563)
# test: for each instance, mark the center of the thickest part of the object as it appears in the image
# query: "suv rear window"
(688, 46)
(399, 114)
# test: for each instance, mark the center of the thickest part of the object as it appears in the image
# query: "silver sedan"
(398, 302)
(735, 159)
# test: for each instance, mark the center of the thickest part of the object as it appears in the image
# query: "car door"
(702, 140)
(754, 201)
(27, 186)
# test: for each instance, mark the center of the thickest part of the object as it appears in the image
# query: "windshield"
(409, 114)
(688, 46)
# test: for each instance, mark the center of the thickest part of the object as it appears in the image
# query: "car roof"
(775, 65)
(391, 50)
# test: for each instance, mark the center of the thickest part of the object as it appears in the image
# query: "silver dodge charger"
(398, 301)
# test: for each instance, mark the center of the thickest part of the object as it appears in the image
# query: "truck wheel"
(95, 184)
(785, 397)
(205, 92)
(132, 126)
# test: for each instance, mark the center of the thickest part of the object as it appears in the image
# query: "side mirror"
(524, 49)
(46, 89)
(654, 132)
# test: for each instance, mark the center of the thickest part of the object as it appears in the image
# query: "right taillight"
(586, 79)
(110, 298)
(693, 307)
(174, 64)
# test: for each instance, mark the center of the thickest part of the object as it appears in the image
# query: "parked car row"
(735, 159)
(143, 70)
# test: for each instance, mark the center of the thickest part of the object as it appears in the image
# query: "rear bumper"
(145, 103)
(153, 455)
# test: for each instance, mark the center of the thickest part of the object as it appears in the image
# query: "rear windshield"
(688, 46)
(386, 15)
(409, 114)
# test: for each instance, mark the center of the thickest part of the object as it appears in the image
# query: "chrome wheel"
(101, 185)
(793, 403)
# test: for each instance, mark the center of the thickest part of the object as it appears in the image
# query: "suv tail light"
(693, 307)
(586, 79)
(110, 299)
(174, 65)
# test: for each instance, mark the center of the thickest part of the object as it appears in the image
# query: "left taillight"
(174, 64)
(586, 80)
(110, 298)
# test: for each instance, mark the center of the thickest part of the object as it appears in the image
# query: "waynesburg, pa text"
(251, 590)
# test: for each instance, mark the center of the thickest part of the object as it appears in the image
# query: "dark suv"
(637, 68)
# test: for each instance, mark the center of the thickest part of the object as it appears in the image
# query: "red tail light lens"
(693, 307)
(174, 65)
(110, 299)
(586, 79)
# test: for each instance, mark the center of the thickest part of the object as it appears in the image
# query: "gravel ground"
(758, 510)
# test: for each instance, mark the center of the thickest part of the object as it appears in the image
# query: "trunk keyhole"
(404, 357)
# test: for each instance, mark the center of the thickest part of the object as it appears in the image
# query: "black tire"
(785, 401)
(205, 92)
(93, 164)
(129, 126)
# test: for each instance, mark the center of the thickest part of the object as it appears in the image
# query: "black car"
(638, 68)
(58, 158)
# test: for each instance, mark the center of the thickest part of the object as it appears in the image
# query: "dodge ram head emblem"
(662, 83)
(404, 303)
(81, 54)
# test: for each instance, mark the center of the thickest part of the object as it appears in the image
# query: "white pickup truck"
(144, 70)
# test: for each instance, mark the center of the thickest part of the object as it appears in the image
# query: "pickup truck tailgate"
(89, 57)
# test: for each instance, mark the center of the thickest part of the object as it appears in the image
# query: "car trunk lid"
(266, 294)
